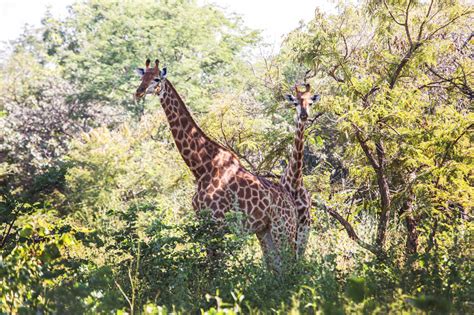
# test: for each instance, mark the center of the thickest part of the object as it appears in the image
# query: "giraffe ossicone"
(222, 183)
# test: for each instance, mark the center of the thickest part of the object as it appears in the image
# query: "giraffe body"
(222, 183)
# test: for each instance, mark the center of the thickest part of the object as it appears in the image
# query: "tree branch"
(407, 29)
(332, 74)
(391, 14)
(8, 227)
(420, 32)
(365, 148)
(464, 88)
(452, 144)
(351, 232)
(385, 199)
(403, 62)
(467, 12)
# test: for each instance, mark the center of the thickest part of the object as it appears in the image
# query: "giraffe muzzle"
(303, 114)
(138, 95)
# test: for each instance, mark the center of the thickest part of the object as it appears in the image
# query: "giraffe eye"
(156, 79)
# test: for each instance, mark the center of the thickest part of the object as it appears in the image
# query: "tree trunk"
(412, 234)
(385, 200)
(385, 206)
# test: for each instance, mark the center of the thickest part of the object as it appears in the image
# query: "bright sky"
(275, 18)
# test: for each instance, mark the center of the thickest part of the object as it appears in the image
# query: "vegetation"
(95, 209)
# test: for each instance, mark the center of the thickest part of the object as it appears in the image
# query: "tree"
(41, 118)
(399, 81)
(76, 73)
(101, 42)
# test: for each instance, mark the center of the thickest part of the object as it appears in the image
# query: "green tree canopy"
(398, 79)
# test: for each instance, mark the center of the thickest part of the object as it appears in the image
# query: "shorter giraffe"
(222, 183)
(292, 179)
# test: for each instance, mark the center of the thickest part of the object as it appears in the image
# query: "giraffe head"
(152, 79)
(302, 101)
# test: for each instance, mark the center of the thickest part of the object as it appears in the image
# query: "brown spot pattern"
(223, 184)
(292, 181)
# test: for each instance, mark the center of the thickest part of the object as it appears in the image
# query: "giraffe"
(222, 183)
(292, 179)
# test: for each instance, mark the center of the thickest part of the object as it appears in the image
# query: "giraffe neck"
(293, 177)
(196, 149)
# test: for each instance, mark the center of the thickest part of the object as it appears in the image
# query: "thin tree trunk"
(411, 223)
(385, 199)
(385, 207)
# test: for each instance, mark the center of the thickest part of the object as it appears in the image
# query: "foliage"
(399, 81)
(111, 170)
(102, 42)
(41, 118)
(34, 268)
(95, 200)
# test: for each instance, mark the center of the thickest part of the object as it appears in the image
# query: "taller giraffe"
(292, 179)
(222, 183)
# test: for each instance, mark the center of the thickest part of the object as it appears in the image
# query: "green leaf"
(50, 252)
(356, 289)
(26, 231)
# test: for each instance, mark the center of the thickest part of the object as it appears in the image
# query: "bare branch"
(365, 148)
(403, 62)
(464, 88)
(380, 153)
(451, 145)
(351, 232)
(407, 28)
(123, 293)
(365, 98)
(385, 199)
(467, 12)
(9, 227)
(391, 14)
(420, 32)
(346, 49)
(311, 121)
(390, 127)
(332, 74)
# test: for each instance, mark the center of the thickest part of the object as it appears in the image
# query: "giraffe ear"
(315, 97)
(140, 71)
(164, 72)
(290, 98)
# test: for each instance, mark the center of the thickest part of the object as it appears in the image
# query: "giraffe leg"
(302, 237)
(284, 232)
(216, 224)
(267, 245)
(278, 240)
(304, 224)
(215, 253)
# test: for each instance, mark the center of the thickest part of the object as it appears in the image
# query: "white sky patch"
(14, 14)
(275, 18)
